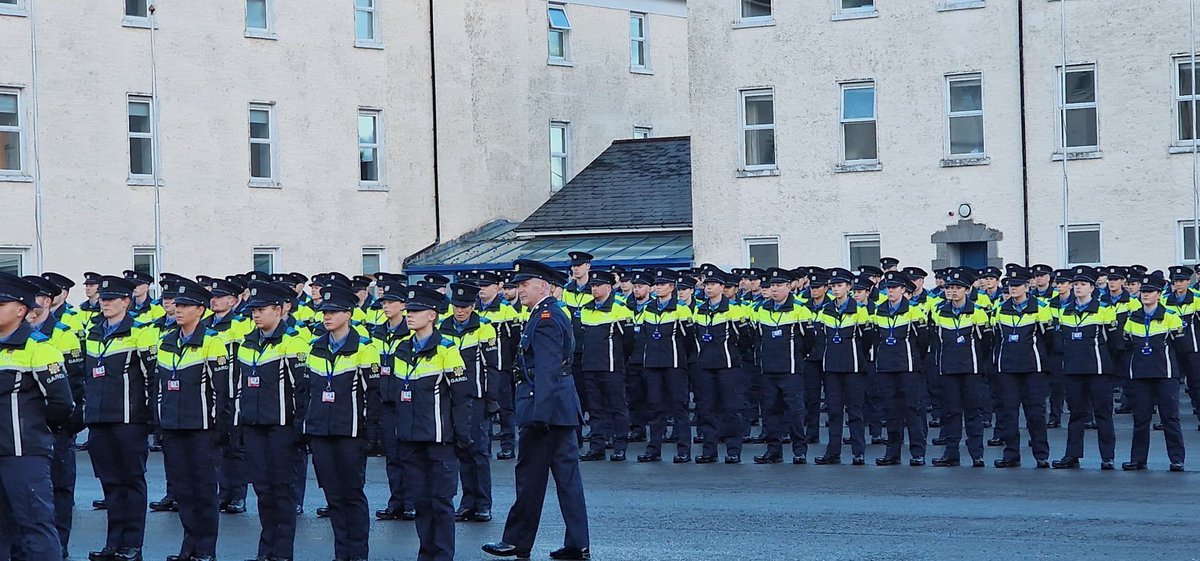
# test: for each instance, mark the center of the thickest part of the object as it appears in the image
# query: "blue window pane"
(858, 103)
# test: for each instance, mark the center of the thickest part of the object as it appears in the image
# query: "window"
(370, 147)
(259, 22)
(642, 132)
(858, 123)
(262, 144)
(10, 132)
(558, 155)
(560, 30)
(13, 8)
(758, 129)
(366, 23)
(857, 5)
(965, 116)
(1077, 103)
(141, 138)
(373, 260)
(1187, 242)
(12, 261)
(144, 261)
(752, 9)
(137, 8)
(762, 253)
(638, 45)
(266, 259)
(1185, 100)
(862, 249)
(1083, 244)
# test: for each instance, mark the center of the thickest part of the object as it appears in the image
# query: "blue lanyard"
(893, 311)
(1149, 320)
(178, 357)
(412, 367)
(331, 364)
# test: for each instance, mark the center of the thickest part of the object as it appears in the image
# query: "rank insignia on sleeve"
(546, 314)
(222, 360)
(54, 368)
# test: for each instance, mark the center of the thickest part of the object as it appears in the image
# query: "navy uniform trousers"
(398, 496)
(118, 453)
(667, 397)
(902, 395)
(341, 465)
(1088, 396)
(1146, 393)
(1027, 390)
(431, 472)
(27, 509)
(722, 408)
(1058, 388)
(963, 397)
(190, 458)
(751, 375)
(639, 409)
(500, 390)
(542, 452)
(274, 452)
(62, 478)
(813, 375)
(783, 412)
(610, 410)
(233, 469)
(845, 393)
(475, 467)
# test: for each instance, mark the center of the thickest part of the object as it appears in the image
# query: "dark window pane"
(966, 95)
(1185, 78)
(141, 156)
(1081, 127)
(260, 124)
(966, 135)
(756, 8)
(260, 160)
(139, 117)
(10, 263)
(1186, 119)
(865, 252)
(760, 147)
(10, 151)
(1083, 246)
(1081, 86)
(264, 263)
(368, 168)
(760, 110)
(136, 8)
(764, 256)
(860, 141)
(857, 4)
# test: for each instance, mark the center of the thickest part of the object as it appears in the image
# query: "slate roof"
(634, 184)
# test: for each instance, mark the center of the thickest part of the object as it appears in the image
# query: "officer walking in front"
(549, 415)
(32, 375)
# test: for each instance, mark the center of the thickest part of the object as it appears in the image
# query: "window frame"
(1063, 106)
(18, 8)
(565, 155)
(142, 22)
(840, 13)
(267, 32)
(750, 241)
(951, 114)
(146, 251)
(380, 183)
(272, 142)
(21, 253)
(643, 42)
(843, 87)
(648, 131)
(565, 32)
(141, 178)
(860, 237)
(743, 95)
(271, 251)
(1088, 227)
(376, 40)
(380, 253)
(22, 172)
(751, 20)
(1182, 236)
(1177, 64)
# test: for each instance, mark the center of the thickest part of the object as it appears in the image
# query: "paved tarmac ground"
(785, 512)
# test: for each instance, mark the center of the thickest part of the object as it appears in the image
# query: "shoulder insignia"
(75, 353)
(54, 368)
(211, 332)
(302, 356)
(364, 340)
(545, 314)
(62, 326)
(447, 342)
(38, 336)
(222, 360)
(374, 368)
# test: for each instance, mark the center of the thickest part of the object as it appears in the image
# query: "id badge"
(836, 339)
(707, 337)
(656, 335)
(637, 329)
(252, 381)
(1076, 335)
(578, 313)
(98, 372)
(777, 333)
(172, 385)
(327, 397)
(385, 371)
(406, 396)
(1014, 338)
(1147, 351)
(961, 340)
(889, 341)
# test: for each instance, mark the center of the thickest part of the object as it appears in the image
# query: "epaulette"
(484, 320)
(1104, 304)
(291, 331)
(1170, 311)
(137, 323)
(69, 311)
(446, 342)
(364, 340)
(62, 326)
(38, 336)
(211, 332)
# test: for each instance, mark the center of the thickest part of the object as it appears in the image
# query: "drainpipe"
(437, 202)
(38, 211)
(1024, 142)
(156, 164)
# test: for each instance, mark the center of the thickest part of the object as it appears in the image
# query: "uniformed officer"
(961, 338)
(62, 465)
(230, 327)
(387, 337)
(504, 318)
(665, 328)
(432, 395)
(269, 375)
(89, 309)
(1154, 370)
(118, 365)
(343, 385)
(640, 415)
(1020, 325)
(818, 280)
(575, 293)
(845, 325)
(899, 343)
(475, 339)
(142, 307)
(606, 343)
(32, 375)
(549, 414)
(782, 324)
(62, 310)
(192, 376)
(1087, 336)
(720, 331)
(1183, 301)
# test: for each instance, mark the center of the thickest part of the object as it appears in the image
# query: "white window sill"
(958, 162)
(137, 23)
(368, 45)
(855, 15)
(642, 71)
(560, 62)
(261, 34)
(264, 184)
(744, 173)
(755, 22)
(15, 178)
(142, 182)
(372, 187)
(962, 5)
(1083, 155)
(857, 167)
(1180, 149)
(8, 10)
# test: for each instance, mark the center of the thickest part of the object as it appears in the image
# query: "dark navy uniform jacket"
(546, 392)
(118, 368)
(343, 387)
(432, 391)
(193, 374)
(37, 393)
